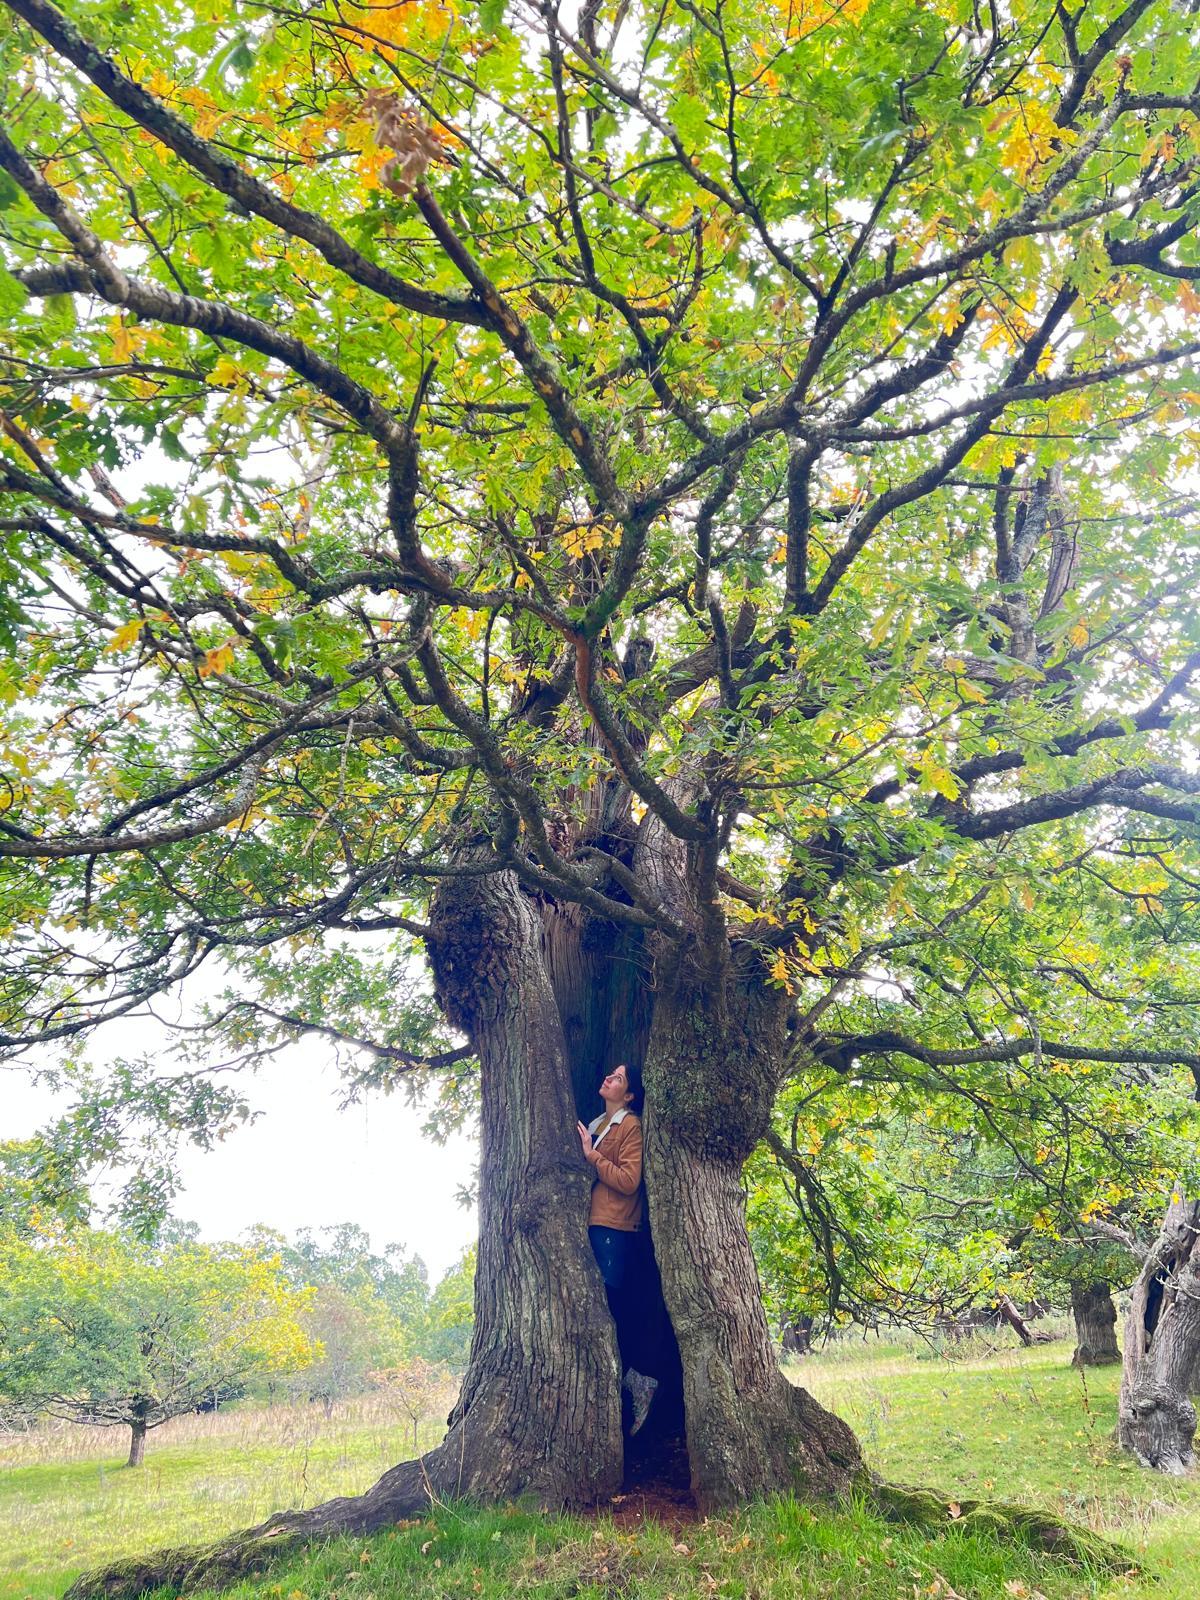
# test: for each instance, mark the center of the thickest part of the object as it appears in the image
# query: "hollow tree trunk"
(137, 1442)
(539, 1411)
(606, 1005)
(711, 1075)
(598, 968)
(1156, 1419)
(1095, 1325)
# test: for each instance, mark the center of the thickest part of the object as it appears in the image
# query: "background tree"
(368, 1310)
(888, 1204)
(449, 1318)
(35, 1190)
(105, 1330)
(675, 516)
(1156, 1417)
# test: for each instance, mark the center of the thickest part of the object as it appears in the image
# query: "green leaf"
(13, 294)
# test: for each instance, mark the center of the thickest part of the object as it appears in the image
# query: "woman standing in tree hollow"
(612, 1145)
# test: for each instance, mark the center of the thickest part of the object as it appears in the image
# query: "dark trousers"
(634, 1295)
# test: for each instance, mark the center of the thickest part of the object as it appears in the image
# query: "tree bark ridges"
(1156, 1419)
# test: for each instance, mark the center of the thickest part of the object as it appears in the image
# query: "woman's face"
(616, 1087)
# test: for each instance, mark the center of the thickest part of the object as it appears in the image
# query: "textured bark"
(599, 975)
(539, 1411)
(137, 1443)
(1095, 1325)
(1156, 1419)
(748, 1430)
(539, 1414)
(711, 1075)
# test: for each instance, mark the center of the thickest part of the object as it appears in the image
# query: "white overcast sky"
(306, 1163)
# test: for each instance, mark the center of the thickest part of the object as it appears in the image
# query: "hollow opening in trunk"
(1154, 1298)
(656, 1455)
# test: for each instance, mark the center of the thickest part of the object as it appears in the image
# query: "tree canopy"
(680, 514)
(426, 426)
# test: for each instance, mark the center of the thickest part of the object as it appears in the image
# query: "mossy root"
(1041, 1530)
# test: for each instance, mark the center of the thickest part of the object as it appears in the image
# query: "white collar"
(617, 1116)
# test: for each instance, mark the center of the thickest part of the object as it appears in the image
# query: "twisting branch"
(841, 1051)
(218, 816)
(227, 177)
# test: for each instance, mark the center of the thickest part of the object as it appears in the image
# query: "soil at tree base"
(670, 1508)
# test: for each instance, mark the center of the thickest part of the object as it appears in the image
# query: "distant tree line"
(103, 1327)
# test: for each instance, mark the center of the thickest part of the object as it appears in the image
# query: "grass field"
(67, 1502)
(1018, 1425)
(1010, 1424)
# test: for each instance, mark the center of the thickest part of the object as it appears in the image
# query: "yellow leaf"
(127, 340)
(126, 635)
(936, 778)
(218, 659)
(951, 316)
(226, 373)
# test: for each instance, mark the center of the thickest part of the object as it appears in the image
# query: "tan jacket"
(617, 1192)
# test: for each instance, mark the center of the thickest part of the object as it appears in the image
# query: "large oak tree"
(677, 516)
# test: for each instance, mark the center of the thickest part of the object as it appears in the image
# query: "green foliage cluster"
(888, 1203)
(446, 441)
(372, 1312)
(101, 1328)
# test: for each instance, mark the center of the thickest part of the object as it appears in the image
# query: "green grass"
(67, 1502)
(1018, 1425)
(1013, 1425)
(771, 1552)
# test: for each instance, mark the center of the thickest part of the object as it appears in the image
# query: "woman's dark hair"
(633, 1076)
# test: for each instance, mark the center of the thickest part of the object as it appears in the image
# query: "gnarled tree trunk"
(539, 1411)
(1095, 1325)
(1156, 1419)
(715, 1054)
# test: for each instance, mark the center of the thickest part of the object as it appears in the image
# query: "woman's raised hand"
(585, 1140)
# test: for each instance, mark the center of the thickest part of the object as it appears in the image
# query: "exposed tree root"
(1040, 1529)
(409, 1490)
